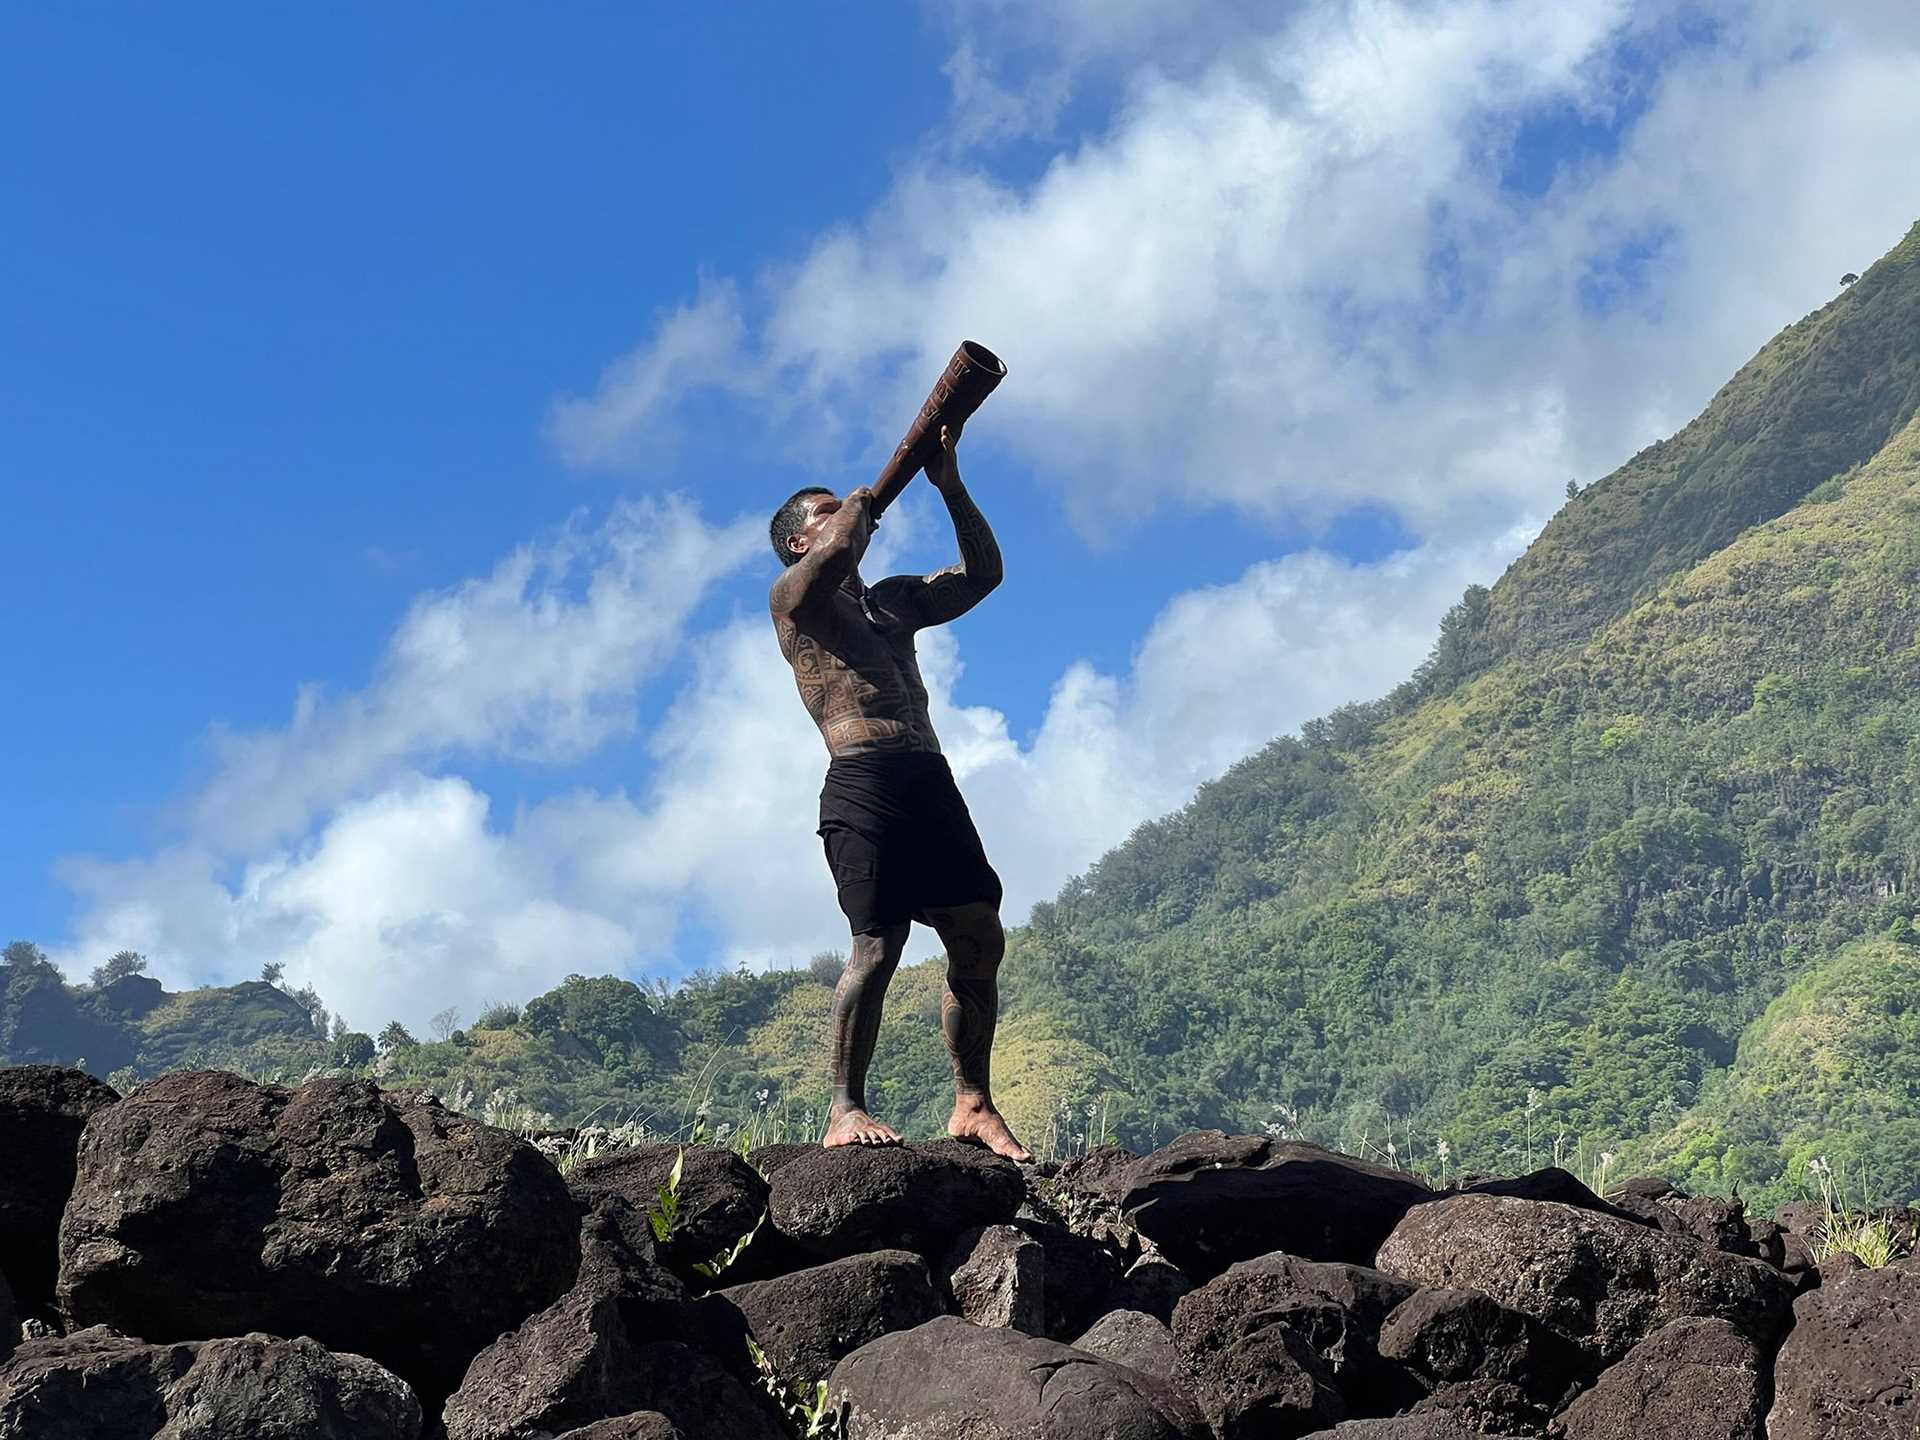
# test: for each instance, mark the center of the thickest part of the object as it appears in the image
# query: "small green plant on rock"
(712, 1268)
(805, 1407)
(663, 1215)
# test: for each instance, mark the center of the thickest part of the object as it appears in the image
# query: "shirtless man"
(898, 837)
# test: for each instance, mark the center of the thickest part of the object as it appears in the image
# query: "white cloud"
(539, 660)
(1290, 279)
(729, 826)
(403, 903)
(695, 346)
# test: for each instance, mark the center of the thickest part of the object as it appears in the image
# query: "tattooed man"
(898, 837)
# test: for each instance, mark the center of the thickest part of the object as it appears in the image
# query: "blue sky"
(393, 402)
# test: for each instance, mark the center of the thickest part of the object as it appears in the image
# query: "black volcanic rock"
(1333, 1309)
(1081, 1277)
(918, 1196)
(573, 1362)
(9, 1321)
(721, 1196)
(99, 1385)
(206, 1205)
(43, 1108)
(1604, 1283)
(646, 1425)
(995, 1275)
(1135, 1339)
(1100, 1174)
(1555, 1184)
(1696, 1379)
(808, 1321)
(1209, 1199)
(1154, 1284)
(1430, 1425)
(1445, 1336)
(948, 1380)
(1851, 1367)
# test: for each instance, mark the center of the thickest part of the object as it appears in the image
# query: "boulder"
(576, 1362)
(374, 1223)
(1769, 1242)
(1271, 1379)
(646, 1425)
(43, 1108)
(1433, 1425)
(98, 1383)
(1696, 1379)
(9, 1321)
(1851, 1367)
(769, 1158)
(1604, 1283)
(1099, 1176)
(1444, 1336)
(949, 1380)
(1209, 1199)
(94, 1384)
(808, 1321)
(1555, 1184)
(1335, 1309)
(1485, 1407)
(854, 1198)
(1153, 1284)
(1080, 1274)
(996, 1275)
(271, 1389)
(722, 1197)
(1134, 1339)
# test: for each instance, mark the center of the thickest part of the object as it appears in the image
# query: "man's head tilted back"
(790, 523)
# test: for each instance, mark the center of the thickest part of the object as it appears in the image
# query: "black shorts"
(899, 839)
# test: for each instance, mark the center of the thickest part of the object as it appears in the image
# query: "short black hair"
(790, 519)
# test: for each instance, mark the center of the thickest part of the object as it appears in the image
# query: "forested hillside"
(1625, 868)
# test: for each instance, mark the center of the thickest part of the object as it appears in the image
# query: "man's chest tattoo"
(859, 685)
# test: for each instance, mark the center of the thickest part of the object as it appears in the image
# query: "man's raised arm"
(811, 580)
(947, 594)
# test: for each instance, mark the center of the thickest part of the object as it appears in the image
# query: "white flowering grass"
(1867, 1236)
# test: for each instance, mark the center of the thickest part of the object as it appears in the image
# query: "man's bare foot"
(856, 1127)
(978, 1121)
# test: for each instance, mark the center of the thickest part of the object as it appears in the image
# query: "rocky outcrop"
(1446, 1337)
(720, 1196)
(808, 1321)
(1604, 1283)
(646, 1425)
(100, 1385)
(1851, 1367)
(9, 1321)
(43, 1109)
(1691, 1380)
(949, 1380)
(1334, 1311)
(1134, 1339)
(854, 1198)
(425, 1276)
(995, 1275)
(573, 1363)
(206, 1205)
(1209, 1199)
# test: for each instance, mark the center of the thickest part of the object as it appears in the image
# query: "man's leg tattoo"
(857, 1003)
(971, 1004)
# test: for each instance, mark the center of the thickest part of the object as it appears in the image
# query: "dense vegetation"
(1625, 869)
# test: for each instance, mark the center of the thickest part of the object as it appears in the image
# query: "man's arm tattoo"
(948, 594)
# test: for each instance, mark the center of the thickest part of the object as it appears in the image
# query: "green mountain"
(1624, 870)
